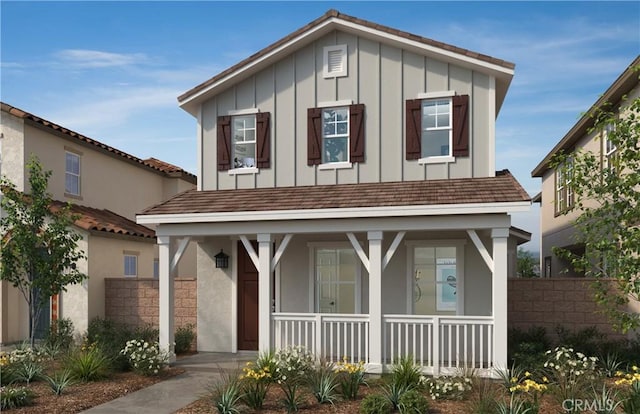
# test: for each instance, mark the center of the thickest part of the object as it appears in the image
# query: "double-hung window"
(72, 174)
(436, 128)
(610, 149)
(243, 147)
(130, 265)
(335, 135)
(564, 188)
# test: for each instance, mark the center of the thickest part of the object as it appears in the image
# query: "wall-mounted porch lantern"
(222, 260)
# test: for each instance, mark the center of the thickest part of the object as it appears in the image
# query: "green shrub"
(145, 358)
(27, 371)
(59, 381)
(394, 391)
(88, 363)
(405, 373)
(226, 394)
(587, 341)
(147, 333)
(323, 382)
(60, 335)
(184, 337)
(375, 404)
(111, 337)
(14, 397)
(527, 348)
(413, 402)
(350, 376)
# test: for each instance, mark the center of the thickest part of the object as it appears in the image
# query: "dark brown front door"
(247, 301)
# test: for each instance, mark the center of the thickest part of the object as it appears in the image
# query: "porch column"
(264, 292)
(499, 296)
(375, 301)
(166, 296)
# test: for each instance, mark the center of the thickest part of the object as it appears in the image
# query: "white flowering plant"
(447, 388)
(293, 366)
(145, 358)
(570, 372)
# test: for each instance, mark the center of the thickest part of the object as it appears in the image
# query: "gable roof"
(503, 188)
(160, 167)
(105, 221)
(334, 20)
(613, 95)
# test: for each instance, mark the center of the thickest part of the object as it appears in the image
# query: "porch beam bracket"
(392, 249)
(250, 250)
(481, 249)
(184, 242)
(283, 246)
(361, 254)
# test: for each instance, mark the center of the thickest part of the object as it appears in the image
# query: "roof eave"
(191, 100)
(622, 85)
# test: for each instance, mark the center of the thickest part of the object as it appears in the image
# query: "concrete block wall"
(551, 302)
(135, 302)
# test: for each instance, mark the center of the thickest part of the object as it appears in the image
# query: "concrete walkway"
(175, 393)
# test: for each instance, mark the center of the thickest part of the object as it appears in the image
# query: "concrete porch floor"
(177, 392)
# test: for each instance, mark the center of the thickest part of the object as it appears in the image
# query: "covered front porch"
(349, 288)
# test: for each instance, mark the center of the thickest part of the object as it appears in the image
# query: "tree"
(525, 266)
(39, 248)
(607, 196)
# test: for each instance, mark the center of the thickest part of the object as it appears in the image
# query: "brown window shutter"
(356, 133)
(414, 128)
(461, 126)
(314, 136)
(263, 130)
(224, 142)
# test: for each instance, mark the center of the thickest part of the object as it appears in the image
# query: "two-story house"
(557, 197)
(347, 174)
(106, 188)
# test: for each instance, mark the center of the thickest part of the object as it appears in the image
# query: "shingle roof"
(501, 188)
(100, 220)
(150, 163)
(365, 23)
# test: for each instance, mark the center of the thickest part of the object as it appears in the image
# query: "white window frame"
(564, 196)
(609, 153)
(73, 174)
(337, 164)
(431, 159)
(459, 245)
(328, 50)
(241, 114)
(314, 302)
(128, 255)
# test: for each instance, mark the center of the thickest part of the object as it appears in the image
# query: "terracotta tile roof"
(100, 220)
(155, 165)
(336, 14)
(501, 188)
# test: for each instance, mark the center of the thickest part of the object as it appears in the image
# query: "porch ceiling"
(501, 189)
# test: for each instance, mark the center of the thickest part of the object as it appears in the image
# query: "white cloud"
(91, 59)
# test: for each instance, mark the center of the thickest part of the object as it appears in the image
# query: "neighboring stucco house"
(556, 197)
(106, 187)
(348, 170)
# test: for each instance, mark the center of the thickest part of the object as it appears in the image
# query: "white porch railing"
(331, 336)
(441, 345)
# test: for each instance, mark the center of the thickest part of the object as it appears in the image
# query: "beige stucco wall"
(216, 286)
(380, 76)
(557, 230)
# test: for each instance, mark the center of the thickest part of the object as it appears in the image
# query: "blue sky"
(113, 70)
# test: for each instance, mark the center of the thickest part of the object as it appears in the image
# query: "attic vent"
(335, 61)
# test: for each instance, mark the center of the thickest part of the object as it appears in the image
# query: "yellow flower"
(527, 374)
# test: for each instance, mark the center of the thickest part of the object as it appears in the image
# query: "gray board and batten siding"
(381, 77)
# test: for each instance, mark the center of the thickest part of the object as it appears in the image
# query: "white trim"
(199, 149)
(248, 111)
(437, 160)
(248, 170)
(492, 115)
(436, 243)
(344, 60)
(250, 251)
(436, 94)
(481, 249)
(330, 213)
(234, 295)
(184, 242)
(359, 251)
(281, 248)
(312, 275)
(338, 23)
(392, 249)
(332, 104)
(335, 165)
